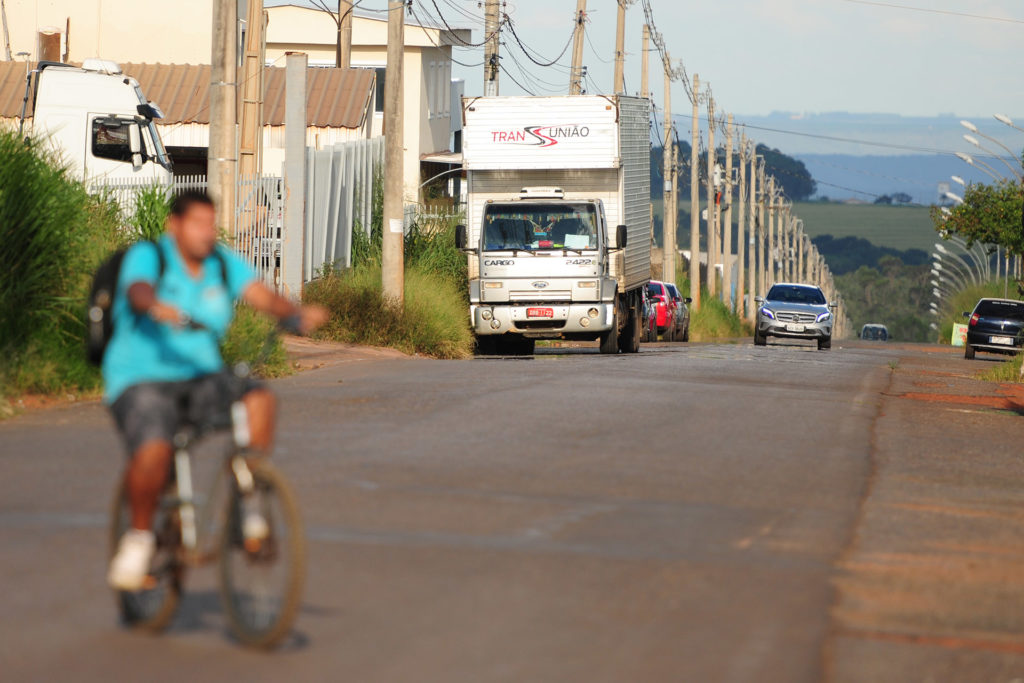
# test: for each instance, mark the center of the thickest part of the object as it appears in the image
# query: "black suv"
(996, 326)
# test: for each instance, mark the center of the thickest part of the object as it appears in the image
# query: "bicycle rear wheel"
(152, 608)
(261, 585)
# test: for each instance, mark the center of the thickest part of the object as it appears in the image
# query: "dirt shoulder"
(931, 586)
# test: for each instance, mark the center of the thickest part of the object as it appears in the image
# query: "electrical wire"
(522, 46)
(936, 11)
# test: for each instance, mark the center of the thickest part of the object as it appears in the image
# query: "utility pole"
(762, 231)
(712, 202)
(772, 206)
(727, 221)
(752, 229)
(293, 236)
(620, 48)
(576, 72)
(741, 231)
(250, 144)
(393, 243)
(644, 91)
(343, 58)
(222, 161)
(491, 47)
(668, 259)
(695, 196)
(7, 36)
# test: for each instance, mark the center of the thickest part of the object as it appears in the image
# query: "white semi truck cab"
(97, 120)
(558, 220)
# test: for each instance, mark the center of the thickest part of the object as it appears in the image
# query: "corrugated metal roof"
(336, 98)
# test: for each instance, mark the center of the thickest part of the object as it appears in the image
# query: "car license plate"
(1004, 341)
(795, 328)
(540, 313)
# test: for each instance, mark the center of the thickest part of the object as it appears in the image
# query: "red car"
(665, 310)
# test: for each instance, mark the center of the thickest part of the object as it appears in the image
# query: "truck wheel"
(487, 345)
(629, 339)
(526, 347)
(610, 339)
(968, 352)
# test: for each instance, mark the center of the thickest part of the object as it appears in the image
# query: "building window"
(379, 96)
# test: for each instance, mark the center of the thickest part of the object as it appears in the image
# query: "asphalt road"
(691, 513)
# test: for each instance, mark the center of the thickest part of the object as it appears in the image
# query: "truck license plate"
(540, 313)
(795, 328)
(1005, 341)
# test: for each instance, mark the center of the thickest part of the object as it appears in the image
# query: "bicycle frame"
(199, 530)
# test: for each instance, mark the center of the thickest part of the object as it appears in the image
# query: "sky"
(764, 56)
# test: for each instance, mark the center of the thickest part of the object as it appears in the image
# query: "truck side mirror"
(135, 145)
(620, 237)
(460, 237)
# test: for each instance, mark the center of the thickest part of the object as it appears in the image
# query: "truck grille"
(540, 295)
(785, 317)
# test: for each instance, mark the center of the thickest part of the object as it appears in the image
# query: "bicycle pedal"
(253, 545)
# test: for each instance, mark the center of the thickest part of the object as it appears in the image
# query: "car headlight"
(823, 316)
(767, 313)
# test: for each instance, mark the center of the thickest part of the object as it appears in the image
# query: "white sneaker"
(130, 566)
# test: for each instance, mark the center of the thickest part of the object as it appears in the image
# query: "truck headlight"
(823, 317)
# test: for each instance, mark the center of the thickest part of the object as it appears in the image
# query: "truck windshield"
(540, 226)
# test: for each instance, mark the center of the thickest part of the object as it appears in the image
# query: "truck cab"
(98, 122)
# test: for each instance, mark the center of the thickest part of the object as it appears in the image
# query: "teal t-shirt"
(142, 350)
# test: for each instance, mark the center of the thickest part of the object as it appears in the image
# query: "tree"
(902, 198)
(791, 173)
(990, 214)
(884, 199)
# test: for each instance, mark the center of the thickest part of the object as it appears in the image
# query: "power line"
(522, 46)
(936, 11)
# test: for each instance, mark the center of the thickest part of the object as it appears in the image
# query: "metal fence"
(339, 196)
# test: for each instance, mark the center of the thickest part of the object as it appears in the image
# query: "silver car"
(794, 311)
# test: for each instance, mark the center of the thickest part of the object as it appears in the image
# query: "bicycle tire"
(147, 610)
(267, 480)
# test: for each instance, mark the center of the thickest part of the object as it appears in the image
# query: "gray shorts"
(156, 411)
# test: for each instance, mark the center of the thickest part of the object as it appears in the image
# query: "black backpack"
(99, 315)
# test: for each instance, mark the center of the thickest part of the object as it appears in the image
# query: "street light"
(1003, 118)
(955, 197)
(974, 129)
(968, 159)
(958, 180)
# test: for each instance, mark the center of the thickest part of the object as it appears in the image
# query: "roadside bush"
(965, 300)
(152, 206)
(433, 321)
(52, 236)
(713, 320)
(246, 340)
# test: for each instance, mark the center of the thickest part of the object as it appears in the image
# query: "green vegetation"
(53, 235)
(790, 172)
(433, 320)
(893, 294)
(990, 214)
(246, 341)
(847, 254)
(713, 320)
(898, 227)
(1007, 371)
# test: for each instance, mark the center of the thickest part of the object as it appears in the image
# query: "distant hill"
(841, 176)
(896, 227)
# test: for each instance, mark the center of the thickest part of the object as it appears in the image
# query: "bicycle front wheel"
(262, 580)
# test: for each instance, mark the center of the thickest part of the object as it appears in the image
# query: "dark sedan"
(995, 326)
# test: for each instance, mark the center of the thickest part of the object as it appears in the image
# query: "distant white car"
(874, 332)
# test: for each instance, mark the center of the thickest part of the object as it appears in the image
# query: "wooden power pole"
(222, 160)
(393, 243)
(644, 86)
(741, 231)
(712, 203)
(727, 220)
(491, 47)
(695, 195)
(576, 72)
(668, 242)
(250, 144)
(343, 58)
(620, 48)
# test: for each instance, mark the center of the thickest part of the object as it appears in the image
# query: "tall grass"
(152, 206)
(713, 320)
(433, 321)
(52, 235)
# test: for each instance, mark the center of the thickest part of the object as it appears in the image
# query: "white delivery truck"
(558, 231)
(97, 120)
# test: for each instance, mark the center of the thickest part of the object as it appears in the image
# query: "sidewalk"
(931, 588)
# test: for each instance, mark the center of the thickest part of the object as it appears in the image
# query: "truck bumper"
(574, 319)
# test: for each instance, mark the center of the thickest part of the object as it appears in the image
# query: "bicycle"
(189, 536)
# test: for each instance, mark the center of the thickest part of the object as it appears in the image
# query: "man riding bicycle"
(162, 367)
